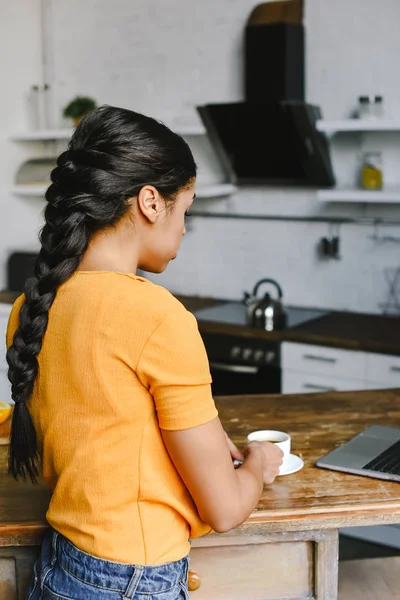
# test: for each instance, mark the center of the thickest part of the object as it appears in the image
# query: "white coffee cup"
(279, 438)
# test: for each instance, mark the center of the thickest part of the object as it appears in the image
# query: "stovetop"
(235, 313)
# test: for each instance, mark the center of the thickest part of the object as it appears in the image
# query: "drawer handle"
(395, 369)
(244, 369)
(320, 358)
(194, 581)
(321, 388)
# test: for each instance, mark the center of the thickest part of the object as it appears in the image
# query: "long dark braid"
(113, 153)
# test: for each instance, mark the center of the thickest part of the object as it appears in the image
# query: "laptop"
(373, 453)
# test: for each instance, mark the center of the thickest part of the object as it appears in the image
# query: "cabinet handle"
(244, 369)
(395, 369)
(321, 388)
(194, 581)
(320, 358)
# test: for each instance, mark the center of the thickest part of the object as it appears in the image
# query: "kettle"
(265, 313)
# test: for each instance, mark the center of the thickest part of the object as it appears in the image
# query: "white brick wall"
(164, 58)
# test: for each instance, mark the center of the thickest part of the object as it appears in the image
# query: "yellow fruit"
(5, 411)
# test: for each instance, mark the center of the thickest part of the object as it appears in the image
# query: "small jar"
(38, 106)
(371, 171)
(32, 107)
(378, 108)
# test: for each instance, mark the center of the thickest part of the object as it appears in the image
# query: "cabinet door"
(383, 371)
(296, 382)
(322, 360)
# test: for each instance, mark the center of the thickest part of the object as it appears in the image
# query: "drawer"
(321, 360)
(256, 571)
(297, 382)
(383, 368)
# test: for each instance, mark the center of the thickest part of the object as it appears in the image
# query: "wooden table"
(288, 547)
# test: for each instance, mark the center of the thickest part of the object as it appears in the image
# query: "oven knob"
(247, 353)
(269, 357)
(236, 352)
(258, 355)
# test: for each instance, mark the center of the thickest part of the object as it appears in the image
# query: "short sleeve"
(174, 367)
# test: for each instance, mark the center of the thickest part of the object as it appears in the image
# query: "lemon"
(5, 411)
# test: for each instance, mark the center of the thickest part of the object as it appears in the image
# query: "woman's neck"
(110, 251)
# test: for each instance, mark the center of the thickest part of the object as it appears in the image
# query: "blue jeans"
(63, 572)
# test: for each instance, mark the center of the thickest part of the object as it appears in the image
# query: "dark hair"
(112, 154)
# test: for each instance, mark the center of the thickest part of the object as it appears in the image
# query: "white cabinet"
(321, 360)
(308, 369)
(295, 382)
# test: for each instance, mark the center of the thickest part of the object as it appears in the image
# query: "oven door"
(232, 379)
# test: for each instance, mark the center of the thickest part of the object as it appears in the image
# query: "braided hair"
(112, 154)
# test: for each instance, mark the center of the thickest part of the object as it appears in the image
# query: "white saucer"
(291, 465)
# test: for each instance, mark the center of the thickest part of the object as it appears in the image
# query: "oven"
(243, 365)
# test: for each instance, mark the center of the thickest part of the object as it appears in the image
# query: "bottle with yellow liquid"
(371, 171)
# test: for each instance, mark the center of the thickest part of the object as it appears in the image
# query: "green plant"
(79, 106)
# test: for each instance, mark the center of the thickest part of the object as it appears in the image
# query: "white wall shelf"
(43, 135)
(215, 191)
(188, 129)
(358, 125)
(37, 190)
(49, 135)
(360, 196)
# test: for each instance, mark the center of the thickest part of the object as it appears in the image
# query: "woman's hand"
(236, 454)
(273, 458)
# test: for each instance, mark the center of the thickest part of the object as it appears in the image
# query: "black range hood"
(274, 143)
(272, 137)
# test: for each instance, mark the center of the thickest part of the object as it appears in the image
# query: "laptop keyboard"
(387, 462)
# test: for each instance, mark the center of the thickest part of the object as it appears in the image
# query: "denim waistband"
(111, 575)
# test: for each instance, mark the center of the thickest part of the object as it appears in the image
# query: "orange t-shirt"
(121, 359)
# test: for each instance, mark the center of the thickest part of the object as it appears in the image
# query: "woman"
(111, 380)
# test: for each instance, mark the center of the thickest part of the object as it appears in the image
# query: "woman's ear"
(150, 203)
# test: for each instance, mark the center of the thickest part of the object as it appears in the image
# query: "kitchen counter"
(288, 546)
(8, 297)
(351, 331)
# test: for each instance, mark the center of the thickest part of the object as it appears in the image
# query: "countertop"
(317, 423)
(352, 331)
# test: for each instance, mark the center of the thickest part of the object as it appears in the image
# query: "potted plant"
(78, 108)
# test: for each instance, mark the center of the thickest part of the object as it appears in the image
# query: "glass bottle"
(371, 171)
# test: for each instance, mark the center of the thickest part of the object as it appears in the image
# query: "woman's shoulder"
(154, 298)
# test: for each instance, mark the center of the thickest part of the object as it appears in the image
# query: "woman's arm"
(224, 497)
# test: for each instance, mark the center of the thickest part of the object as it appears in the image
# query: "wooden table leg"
(326, 566)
